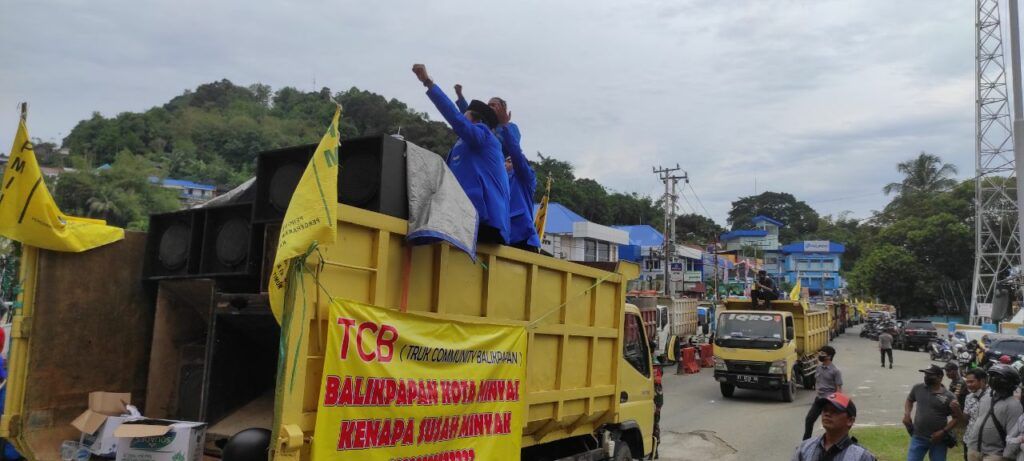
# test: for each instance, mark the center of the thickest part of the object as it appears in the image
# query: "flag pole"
(24, 111)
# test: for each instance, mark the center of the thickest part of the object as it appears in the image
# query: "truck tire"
(622, 452)
(788, 390)
(727, 389)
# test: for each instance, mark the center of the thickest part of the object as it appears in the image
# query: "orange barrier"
(707, 356)
(688, 364)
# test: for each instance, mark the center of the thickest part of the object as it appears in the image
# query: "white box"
(102, 442)
(160, 440)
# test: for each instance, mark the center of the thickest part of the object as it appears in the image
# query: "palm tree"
(926, 173)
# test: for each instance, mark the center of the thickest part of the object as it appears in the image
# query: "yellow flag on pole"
(541, 219)
(29, 215)
(795, 293)
(311, 216)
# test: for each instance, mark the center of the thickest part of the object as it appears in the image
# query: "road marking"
(863, 387)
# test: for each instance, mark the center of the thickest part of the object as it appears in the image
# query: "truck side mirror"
(789, 333)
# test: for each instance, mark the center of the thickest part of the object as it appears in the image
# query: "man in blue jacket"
(522, 181)
(475, 160)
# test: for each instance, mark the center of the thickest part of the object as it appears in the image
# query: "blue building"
(190, 193)
(815, 262)
(764, 235)
(568, 235)
(646, 247)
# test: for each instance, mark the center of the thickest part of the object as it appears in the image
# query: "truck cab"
(768, 349)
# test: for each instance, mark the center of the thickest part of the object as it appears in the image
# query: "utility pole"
(669, 200)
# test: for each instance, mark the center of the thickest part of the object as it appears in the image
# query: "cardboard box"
(103, 406)
(160, 440)
(102, 442)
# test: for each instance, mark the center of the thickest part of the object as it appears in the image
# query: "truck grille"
(743, 366)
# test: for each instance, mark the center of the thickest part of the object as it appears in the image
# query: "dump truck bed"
(572, 357)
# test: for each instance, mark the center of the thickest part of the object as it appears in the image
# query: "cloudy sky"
(817, 98)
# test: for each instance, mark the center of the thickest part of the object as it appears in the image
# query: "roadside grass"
(889, 443)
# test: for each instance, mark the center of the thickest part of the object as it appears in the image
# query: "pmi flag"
(29, 215)
(406, 387)
(795, 293)
(311, 216)
(541, 220)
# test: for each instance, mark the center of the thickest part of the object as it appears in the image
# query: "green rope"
(570, 299)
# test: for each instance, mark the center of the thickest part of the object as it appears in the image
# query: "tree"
(799, 218)
(697, 229)
(923, 174)
(894, 275)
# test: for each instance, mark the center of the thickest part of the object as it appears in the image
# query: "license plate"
(746, 379)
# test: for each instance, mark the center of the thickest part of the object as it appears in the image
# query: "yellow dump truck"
(768, 349)
(186, 349)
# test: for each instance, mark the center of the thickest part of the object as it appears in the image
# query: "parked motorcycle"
(965, 359)
(939, 349)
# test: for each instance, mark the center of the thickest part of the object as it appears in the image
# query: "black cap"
(932, 370)
(485, 111)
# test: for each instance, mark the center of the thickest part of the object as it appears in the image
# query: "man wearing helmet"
(998, 412)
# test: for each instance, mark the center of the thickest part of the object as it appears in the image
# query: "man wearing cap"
(522, 181)
(475, 160)
(936, 415)
(837, 417)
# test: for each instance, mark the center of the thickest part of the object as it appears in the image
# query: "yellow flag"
(29, 215)
(795, 293)
(311, 215)
(541, 219)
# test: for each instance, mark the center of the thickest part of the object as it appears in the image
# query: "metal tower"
(997, 238)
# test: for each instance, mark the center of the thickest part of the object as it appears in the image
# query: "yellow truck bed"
(573, 356)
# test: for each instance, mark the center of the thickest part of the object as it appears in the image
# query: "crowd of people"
(489, 163)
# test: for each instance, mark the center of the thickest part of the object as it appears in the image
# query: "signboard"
(816, 246)
(692, 276)
(401, 386)
(985, 310)
(676, 267)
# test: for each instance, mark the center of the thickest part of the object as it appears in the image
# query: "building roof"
(817, 247)
(171, 182)
(559, 219)
(743, 233)
(643, 235)
(763, 218)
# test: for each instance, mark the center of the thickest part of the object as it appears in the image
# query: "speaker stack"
(237, 240)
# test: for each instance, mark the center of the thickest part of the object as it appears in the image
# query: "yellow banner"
(29, 215)
(795, 292)
(541, 220)
(311, 215)
(403, 387)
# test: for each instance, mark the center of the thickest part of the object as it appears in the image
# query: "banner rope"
(532, 325)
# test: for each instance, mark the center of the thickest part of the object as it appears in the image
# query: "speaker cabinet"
(371, 175)
(232, 244)
(174, 244)
(277, 174)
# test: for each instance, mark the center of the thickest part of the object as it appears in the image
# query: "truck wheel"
(788, 391)
(622, 452)
(727, 389)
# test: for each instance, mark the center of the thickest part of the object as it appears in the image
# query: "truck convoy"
(206, 347)
(668, 321)
(768, 349)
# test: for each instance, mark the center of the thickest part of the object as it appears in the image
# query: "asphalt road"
(698, 424)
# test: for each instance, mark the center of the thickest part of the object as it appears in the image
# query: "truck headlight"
(720, 365)
(778, 368)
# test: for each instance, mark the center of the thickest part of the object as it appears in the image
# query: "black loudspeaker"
(1001, 303)
(277, 174)
(371, 175)
(174, 244)
(231, 242)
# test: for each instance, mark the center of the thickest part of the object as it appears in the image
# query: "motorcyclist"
(997, 413)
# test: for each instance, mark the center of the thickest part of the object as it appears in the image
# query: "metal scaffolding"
(997, 236)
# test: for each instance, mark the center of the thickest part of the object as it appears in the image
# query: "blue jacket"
(477, 163)
(522, 183)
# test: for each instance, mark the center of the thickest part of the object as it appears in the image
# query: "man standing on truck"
(522, 181)
(828, 381)
(936, 415)
(885, 347)
(764, 289)
(837, 417)
(475, 160)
